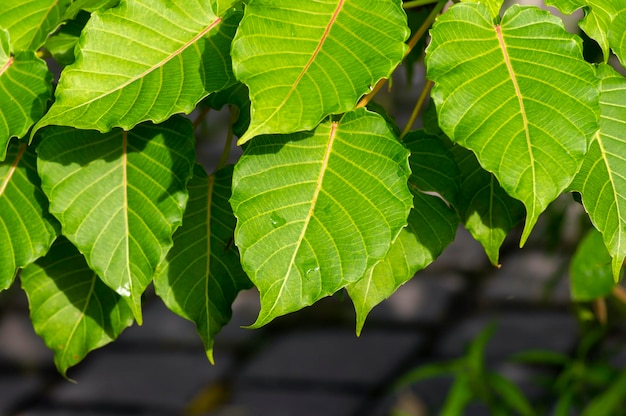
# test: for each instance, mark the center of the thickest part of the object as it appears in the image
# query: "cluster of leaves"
(100, 194)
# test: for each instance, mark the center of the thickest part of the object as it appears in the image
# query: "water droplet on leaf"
(277, 220)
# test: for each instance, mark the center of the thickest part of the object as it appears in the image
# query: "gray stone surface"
(333, 356)
(16, 390)
(464, 255)
(20, 345)
(167, 378)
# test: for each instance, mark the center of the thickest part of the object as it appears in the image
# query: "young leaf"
(494, 6)
(237, 95)
(316, 210)
(432, 225)
(525, 105)
(27, 230)
(29, 22)
(26, 89)
(305, 60)
(601, 180)
(143, 60)
(119, 196)
(488, 212)
(71, 309)
(566, 6)
(201, 274)
(590, 270)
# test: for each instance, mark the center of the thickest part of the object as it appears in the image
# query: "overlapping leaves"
(144, 60)
(119, 196)
(518, 94)
(29, 22)
(316, 210)
(303, 63)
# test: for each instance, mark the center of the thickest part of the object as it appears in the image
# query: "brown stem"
(599, 306)
(201, 115)
(418, 107)
(620, 293)
(234, 114)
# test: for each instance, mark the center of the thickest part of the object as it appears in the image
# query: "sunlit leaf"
(432, 225)
(26, 228)
(143, 60)
(71, 309)
(119, 196)
(316, 210)
(62, 43)
(591, 276)
(201, 274)
(601, 179)
(305, 60)
(566, 6)
(494, 6)
(617, 34)
(24, 91)
(518, 94)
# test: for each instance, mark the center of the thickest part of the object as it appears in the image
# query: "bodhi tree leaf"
(237, 95)
(432, 225)
(525, 105)
(617, 35)
(71, 309)
(25, 89)
(119, 196)
(601, 180)
(494, 6)
(143, 60)
(27, 230)
(201, 274)
(305, 60)
(591, 276)
(488, 212)
(62, 43)
(29, 22)
(316, 210)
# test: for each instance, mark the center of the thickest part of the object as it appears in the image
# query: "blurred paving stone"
(333, 356)
(515, 332)
(424, 300)
(246, 308)
(290, 403)
(15, 389)
(20, 345)
(464, 255)
(167, 379)
(532, 276)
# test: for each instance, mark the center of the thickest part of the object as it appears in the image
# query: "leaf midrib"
(12, 169)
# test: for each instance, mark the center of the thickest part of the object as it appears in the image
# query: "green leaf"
(201, 274)
(432, 225)
(525, 105)
(316, 210)
(25, 89)
(611, 401)
(590, 270)
(237, 95)
(494, 6)
(566, 6)
(459, 396)
(62, 43)
(488, 212)
(71, 309)
(89, 6)
(510, 394)
(617, 35)
(26, 228)
(601, 180)
(143, 60)
(29, 22)
(305, 60)
(119, 196)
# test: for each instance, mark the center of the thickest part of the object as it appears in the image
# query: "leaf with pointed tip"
(201, 274)
(494, 6)
(591, 274)
(29, 22)
(432, 225)
(316, 210)
(305, 60)
(26, 227)
(71, 309)
(601, 180)
(488, 212)
(119, 196)
(519, 95)
(566, 6)
(25, 89)
(143, 60)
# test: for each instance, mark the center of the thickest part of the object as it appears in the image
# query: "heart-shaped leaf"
(316, 210)
(591, 274)
(29, 22)
(26, 89)
(71, 309)
(432, 225)
(119, 196)
(27, 230)
(525, 105)
(305, 60)
(201, 274)
(143, 60)
(601, 180)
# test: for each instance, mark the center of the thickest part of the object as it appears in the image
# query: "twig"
(416, 110)
(201, 115)
(620, 293)
(599, 306)
(234, 114)
(417, 3)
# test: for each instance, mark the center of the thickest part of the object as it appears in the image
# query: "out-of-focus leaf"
(62, 43)
(590, 272)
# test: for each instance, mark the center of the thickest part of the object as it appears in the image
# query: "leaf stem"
(416, 110)
(412, 42)
(417, 3)
(201, 115)
(620, 293)
(234, 115)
